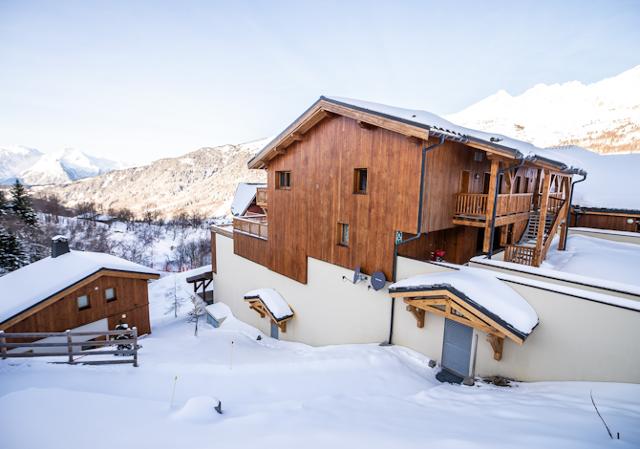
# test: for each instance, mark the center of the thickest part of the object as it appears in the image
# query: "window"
(343, 237)
(110, 294)
(283, 180)
(360, 181)
(83, 302)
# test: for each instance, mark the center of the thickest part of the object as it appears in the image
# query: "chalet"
(363, 197)
(75, 290)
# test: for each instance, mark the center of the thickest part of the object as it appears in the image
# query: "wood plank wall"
(303, 221)
(599, 221)
(214, 266)
(132, 299)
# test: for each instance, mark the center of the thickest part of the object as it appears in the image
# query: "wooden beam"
(418, 314)
(495, 165)
(497, 344)
(562, 244)
(544, 204)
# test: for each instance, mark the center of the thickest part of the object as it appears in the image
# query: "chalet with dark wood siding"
(75, 289)
(356, 183)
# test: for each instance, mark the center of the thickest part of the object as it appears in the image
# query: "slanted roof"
(480, 290)
(244, 196)
(416, 123)
(612, 181)
(273, 301)
(29, 286)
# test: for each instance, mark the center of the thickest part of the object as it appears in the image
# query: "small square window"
(343, 237)
(83, 302)
(283, 179)
(360, 181)
(110, 294)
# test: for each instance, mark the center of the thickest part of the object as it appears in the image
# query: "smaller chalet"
(75, 289)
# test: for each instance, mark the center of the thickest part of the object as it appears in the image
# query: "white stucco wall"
(328, 309)
(576, 339)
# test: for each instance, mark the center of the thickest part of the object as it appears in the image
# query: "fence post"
(135, 346)
(69, 346)
(3, 349)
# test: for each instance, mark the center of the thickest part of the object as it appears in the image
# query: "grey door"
(456, 348)
(275, 331)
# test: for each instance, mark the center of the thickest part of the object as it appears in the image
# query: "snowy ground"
(278, 394)
(596, 258)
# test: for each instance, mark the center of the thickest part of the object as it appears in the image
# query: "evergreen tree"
(21, 204)
(12, 255)
(3, 204)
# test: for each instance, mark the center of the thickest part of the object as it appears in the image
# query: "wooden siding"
(63, 314)
(304, 219)
(445, 166)
(605, 221)
(214, 266)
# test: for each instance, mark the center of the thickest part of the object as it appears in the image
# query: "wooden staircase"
(528, 251)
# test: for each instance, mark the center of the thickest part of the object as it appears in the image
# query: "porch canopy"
(269, 303)
(472, 297)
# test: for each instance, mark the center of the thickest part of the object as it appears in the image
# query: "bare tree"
(197, 311)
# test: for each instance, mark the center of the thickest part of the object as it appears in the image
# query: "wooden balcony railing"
(261, 197)
(475, 204)
(254, 225)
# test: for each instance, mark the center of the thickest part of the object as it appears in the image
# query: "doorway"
(275, 331)
(456, 348)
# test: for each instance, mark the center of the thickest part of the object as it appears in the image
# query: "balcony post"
(544, 205)
(491, 204)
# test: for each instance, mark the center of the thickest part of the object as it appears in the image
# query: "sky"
(137, 81)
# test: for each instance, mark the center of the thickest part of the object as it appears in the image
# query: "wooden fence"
(71, 349)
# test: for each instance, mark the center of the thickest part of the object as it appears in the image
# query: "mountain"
(14, 160)
(202, 181)
(603, 116)
(35, 168)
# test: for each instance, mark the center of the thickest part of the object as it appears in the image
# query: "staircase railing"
(524, 255)
(560, 214)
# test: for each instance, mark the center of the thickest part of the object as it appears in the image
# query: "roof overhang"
(474, 314)
(327, 107)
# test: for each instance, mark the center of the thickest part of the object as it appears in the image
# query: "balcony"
(471, 209)
(261, 197)
(252, 225)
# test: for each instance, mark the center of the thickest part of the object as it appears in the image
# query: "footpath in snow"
(289, 395)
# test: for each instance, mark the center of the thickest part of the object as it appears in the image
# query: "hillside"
(603, 116)
(202, 181)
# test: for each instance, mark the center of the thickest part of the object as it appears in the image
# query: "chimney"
(59, 245)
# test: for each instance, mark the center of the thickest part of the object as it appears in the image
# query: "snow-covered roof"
(441, 125)
(273, 301)
(29, 285)
(245, 194)
(483, 291)
(219, 310)
(612, 179)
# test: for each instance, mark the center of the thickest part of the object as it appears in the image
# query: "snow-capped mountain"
(603, 116)
(14, 160)
(35, 168)
(202, 181)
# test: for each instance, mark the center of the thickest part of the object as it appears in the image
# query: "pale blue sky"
(135, 80)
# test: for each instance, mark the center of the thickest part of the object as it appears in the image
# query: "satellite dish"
(378, 280)
(357, 275)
